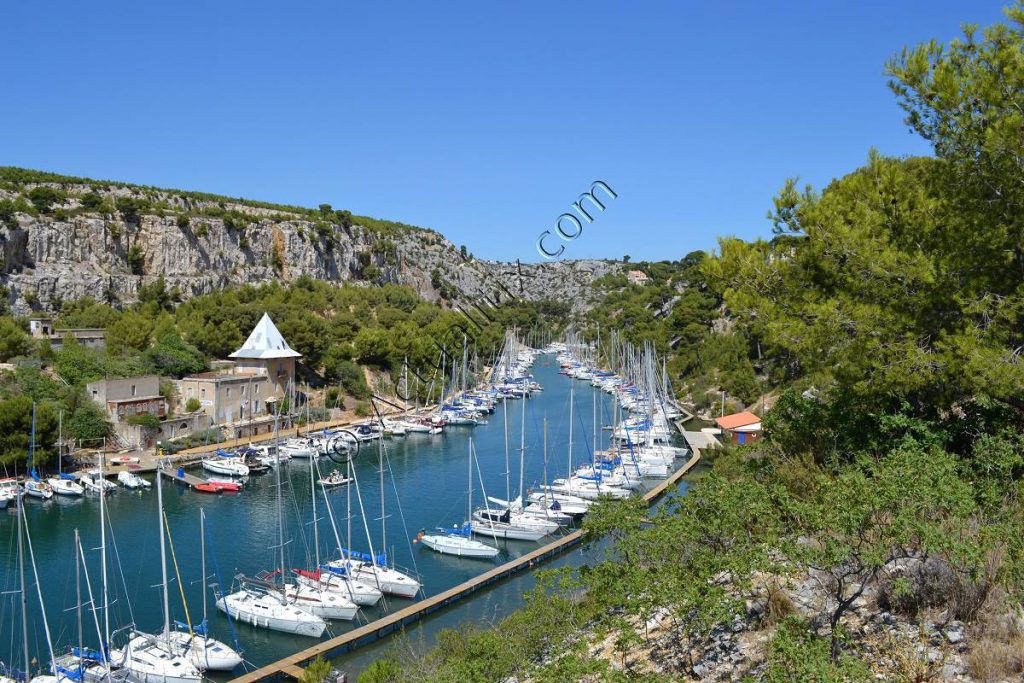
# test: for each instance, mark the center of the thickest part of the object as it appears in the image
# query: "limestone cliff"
(92, 241)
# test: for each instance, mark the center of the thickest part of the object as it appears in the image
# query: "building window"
(202, 392)
(95, 393)
(257, 389)
(189, 392)
(228, 394)
(133, 390)
(243, 390)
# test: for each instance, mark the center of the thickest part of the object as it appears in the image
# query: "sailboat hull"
(207, 654)
(460, 547)
(263, 611)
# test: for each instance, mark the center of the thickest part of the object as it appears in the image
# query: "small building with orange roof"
(741, 428)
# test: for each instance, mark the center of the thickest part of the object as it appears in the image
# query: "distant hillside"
(64, 237)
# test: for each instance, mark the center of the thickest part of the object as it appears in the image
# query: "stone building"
(637, 277)
(240, 398)
(43, 328)
(130, 396)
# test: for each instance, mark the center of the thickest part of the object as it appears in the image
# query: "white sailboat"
(313, 596)
(63, 484)
(222, 462)
(372, 568)
(261, 603)
(323, 576)
(150, 658)
(458, 540)
(194, 641)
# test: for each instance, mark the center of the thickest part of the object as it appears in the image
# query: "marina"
(408, 485)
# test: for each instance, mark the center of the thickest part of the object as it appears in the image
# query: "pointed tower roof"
(265, 341)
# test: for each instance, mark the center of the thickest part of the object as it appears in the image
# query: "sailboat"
(34, 486)
(373, 568)
(458, 540)
(259, 601)
(193, 641)
(323, 577)
(154, 658)
(513, 509)
(498, 523)
(63, 484)
(313, 596)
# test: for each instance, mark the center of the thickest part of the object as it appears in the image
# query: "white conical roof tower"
(265, 341)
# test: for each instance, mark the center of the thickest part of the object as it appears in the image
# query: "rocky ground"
(931, 646)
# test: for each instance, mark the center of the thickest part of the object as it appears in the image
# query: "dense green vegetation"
(339, 330)
(887, 314)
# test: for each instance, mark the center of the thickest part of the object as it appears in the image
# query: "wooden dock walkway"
(291, 666)
(179, 475)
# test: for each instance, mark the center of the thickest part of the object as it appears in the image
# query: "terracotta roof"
(737, 420)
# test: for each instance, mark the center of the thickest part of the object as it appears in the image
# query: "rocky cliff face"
(69, 252)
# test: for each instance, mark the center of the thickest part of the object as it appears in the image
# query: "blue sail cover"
(35, 475)
(65, 475)
(74, 675)
(466, 531)
(196, 628)
(224, 454)
(381, 559)
(86, 653)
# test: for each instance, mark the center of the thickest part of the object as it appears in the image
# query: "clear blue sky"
(483, 120)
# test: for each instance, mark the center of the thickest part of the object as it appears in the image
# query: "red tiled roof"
(737, 420)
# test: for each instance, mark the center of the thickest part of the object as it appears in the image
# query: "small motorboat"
(11, 488)
(130, 480)
(225, 463)
(208, 488)
(221, 485)
(335, 478)
(65, 485)
(92, 481)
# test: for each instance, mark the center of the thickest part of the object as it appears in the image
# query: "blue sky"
(482, 120)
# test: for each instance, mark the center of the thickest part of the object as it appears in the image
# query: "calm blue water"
(425, 486)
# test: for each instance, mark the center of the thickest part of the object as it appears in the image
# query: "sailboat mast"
(469, 481)
(383, 518)
(522, 452)
(163, 552)
(202, 566)
(280, 518)
(78, 592)
(545, 462)
(312, 491)
(103, 562)
(572, 400)
(504, 413)
(21, 569)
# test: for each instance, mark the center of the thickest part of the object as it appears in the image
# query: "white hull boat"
(323, 603)
(232, 467)
(65, 487)
(269, 611)
(504, 530)
(205, 653)
(456, 542)
(151, 661)
(130, 480)
(388, 580)
(93, 482)
(358, 592)
(38, 489)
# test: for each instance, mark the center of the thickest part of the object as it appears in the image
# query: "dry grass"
(779, 605)
(993, 660)
(911, 665)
